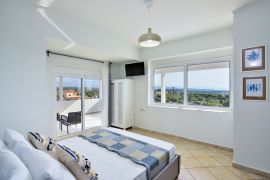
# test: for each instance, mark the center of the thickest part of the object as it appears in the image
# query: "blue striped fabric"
(150, 156)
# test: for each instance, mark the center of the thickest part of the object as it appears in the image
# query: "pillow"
(43, 143)
(12, 168)
(77, 164)
(11, 137)
(41, 165)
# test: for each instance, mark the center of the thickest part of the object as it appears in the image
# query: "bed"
(111, 166)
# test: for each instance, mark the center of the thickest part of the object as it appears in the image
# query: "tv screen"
(135, 69)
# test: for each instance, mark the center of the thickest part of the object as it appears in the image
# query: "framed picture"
(254, 88)
(253, 58)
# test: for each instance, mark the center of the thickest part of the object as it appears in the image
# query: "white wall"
(252, 118)
(26, 93)
(26, 102)
(211, 127)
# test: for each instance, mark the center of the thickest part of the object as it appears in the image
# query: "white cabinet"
(122, 106)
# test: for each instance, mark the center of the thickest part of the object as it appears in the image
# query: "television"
(135, 69)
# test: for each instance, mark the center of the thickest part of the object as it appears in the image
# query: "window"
(193, 85)
(208, 84)
(92, 88)
(57, 88)
(79, 104)
(168, 85)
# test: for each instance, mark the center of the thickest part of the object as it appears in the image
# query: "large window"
(193, 85)
(208, 84)
(168, 85)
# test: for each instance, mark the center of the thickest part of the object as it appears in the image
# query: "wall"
(117, 71)
(26, 93)
(251, 118)
(206, 126)
(25, 97)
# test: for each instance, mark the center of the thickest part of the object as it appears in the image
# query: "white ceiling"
(56, 45)
(172, 19)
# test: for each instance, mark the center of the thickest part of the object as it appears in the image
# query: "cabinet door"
(120, 103)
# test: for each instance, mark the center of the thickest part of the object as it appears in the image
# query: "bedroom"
(108, 31)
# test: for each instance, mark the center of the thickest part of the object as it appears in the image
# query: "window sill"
(193, 108)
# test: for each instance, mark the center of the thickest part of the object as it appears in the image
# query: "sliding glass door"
(78, 104)
(92, 103)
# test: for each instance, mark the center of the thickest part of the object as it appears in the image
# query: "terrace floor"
(91, 120)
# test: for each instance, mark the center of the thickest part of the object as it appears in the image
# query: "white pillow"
(11, 137)
(12, 168)
(41, 165)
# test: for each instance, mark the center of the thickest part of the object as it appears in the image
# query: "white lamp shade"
(149, 39)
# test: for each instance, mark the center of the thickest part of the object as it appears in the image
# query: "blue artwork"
(254, 88)
(254, 56)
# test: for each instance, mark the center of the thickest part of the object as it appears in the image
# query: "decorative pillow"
(43, 143)
(11, 137)
(77, 164)
(40, 164)
(12, 168)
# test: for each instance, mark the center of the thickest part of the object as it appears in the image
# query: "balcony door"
(79, 104)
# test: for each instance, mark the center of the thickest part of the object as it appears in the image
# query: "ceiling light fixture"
(149, 39)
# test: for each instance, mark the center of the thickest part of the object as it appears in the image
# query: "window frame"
(61, 99)
(162, 77)
(185, 105)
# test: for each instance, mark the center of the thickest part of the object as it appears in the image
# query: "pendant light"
(149, 39)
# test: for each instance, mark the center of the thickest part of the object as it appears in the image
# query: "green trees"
(195, 97)
(208, 99)
(93, 93)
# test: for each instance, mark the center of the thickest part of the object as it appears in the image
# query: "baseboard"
(195, 141)
(252, 170)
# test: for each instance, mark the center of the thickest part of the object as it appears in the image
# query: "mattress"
(110, 165)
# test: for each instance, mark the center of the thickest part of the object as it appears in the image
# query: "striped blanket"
(150, 156)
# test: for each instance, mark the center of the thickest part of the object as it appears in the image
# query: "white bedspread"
(110, 165)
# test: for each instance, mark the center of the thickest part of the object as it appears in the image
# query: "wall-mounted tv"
(135, 69)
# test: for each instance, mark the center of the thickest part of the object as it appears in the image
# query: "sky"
(216, 79)
(75, 82)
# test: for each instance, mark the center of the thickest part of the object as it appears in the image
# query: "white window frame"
(82, 79)
(185, 104)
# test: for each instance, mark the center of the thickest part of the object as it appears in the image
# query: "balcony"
(92, 115)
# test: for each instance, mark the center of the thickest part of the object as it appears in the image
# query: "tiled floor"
(203, 162)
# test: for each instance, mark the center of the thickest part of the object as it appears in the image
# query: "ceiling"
(172, 19)
(56, 45)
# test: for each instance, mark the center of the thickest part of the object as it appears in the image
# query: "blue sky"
(75, 82)
(216, 79)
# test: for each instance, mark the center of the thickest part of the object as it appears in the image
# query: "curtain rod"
(60, 54)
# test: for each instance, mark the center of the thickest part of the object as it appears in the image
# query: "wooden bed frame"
(171, 171)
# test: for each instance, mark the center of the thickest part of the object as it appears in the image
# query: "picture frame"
(254, 88)
(253, 58)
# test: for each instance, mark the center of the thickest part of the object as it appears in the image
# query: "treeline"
(93, 93)
(196, 98)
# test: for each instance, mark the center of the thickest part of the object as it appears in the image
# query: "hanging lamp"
(149, 39)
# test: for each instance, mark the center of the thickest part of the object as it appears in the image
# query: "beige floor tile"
(225, 161)
(214, 152)
(184, 153)
(222, 173)
(209, 161)
(185, 175)
(202, 174)
(194, 147)
(199, 153)
(182, 166)
(191, 163)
